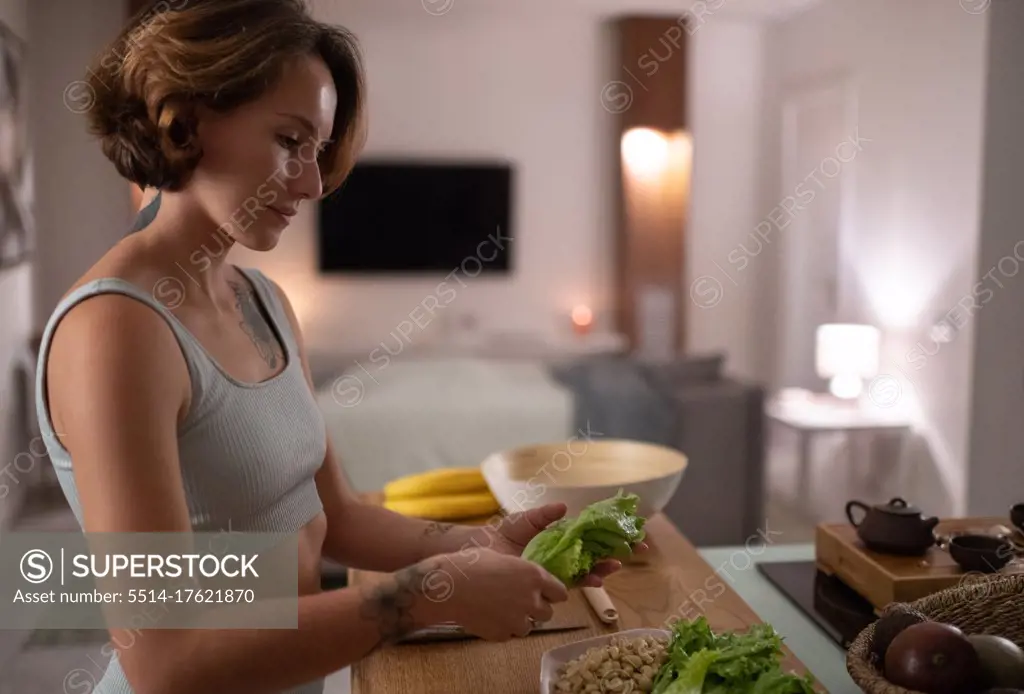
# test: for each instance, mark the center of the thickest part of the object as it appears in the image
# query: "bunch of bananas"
(444, 494)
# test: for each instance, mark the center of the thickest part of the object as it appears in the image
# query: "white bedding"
(420, 414)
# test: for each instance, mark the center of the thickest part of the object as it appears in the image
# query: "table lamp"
(846, 354)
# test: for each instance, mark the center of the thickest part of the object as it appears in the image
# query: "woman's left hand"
(517, 529)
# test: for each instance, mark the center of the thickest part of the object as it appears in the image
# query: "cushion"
(684, 371)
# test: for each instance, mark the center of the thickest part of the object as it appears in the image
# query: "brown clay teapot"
(893, 528)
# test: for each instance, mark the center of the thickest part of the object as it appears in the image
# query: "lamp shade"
(846, 349)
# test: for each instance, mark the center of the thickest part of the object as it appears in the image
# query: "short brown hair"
(219, 53)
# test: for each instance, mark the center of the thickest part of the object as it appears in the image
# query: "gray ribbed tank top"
(248, 451)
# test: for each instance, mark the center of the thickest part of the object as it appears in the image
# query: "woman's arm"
(118, 386)
(373, 538)
(395, 541)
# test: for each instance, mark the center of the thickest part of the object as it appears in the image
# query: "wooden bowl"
(580, 472)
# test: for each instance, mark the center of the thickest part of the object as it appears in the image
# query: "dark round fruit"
(886, 629)
(933, 658)
(1002, 661)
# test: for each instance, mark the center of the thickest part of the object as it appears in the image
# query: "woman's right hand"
(494, 596)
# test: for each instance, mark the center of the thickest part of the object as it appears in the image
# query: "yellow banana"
(439, 482)
(446, 507)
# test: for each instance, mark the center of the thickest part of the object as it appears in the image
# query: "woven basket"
(986, 605)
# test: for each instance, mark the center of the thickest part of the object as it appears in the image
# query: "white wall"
(725, 97)
(996, 478)
(918, 68)
(82, 205)
(15, 320)
(502, 85)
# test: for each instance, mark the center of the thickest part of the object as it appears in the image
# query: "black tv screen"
(418, 217)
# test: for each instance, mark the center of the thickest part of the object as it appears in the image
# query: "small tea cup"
(982, 553)
(1017, 516)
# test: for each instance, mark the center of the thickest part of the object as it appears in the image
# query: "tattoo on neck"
(147, 214)
(255, 326)
(436, 528)
(389, 603)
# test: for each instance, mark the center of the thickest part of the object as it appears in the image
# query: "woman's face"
(259, 161)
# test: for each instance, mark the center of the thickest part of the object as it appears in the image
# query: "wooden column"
(648, 92)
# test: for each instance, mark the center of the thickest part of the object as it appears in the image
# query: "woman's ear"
(184, 132)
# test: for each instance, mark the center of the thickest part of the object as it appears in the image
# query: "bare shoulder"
(112, 323)
(131, 260)
(117, 348)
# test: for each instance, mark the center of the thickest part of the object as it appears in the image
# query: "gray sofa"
(689, 404)
(721, 500)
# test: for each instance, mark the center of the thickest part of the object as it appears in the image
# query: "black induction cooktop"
(838, 610)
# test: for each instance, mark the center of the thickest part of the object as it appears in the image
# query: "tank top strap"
(169, 292)
(270, 298)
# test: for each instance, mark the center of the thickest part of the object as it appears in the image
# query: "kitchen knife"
(455, 632)
(602, 604)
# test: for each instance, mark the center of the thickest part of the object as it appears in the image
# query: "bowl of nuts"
(625, 662)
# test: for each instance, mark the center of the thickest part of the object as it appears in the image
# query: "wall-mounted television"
(419, 217)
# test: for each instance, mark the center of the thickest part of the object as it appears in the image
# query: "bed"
(418, 414)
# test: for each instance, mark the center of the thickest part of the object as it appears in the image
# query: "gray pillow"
(704, 368)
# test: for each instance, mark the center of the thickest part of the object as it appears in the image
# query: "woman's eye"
(288, 142)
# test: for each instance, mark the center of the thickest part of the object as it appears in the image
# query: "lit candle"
(582, 319)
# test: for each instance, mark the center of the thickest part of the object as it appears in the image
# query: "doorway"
(818, 127)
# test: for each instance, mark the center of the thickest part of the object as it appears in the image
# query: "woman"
(179, 384)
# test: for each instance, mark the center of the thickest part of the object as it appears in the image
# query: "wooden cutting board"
(884, 578)
(674, 583)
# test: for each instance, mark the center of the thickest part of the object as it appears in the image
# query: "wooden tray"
(884, 578)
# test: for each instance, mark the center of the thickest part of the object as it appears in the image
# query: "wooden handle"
(602, 604)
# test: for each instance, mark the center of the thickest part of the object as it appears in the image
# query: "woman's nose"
(308, 184)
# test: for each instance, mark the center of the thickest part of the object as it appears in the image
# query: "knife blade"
(454, 632)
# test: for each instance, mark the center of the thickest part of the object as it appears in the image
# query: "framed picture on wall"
(16, 195)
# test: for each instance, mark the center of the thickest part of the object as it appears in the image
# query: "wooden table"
(673, 582)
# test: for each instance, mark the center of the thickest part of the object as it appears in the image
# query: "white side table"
(814, 414)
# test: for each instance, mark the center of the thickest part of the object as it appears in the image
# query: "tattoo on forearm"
(255, 326)
(389, 604)
(436, 528)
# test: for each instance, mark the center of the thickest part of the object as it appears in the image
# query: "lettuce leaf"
(690, 679)
(569, 547)
(739, 662)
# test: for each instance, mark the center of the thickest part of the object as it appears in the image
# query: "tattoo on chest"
(256, 326)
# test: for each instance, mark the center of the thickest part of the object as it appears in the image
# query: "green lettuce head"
(569, 547)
